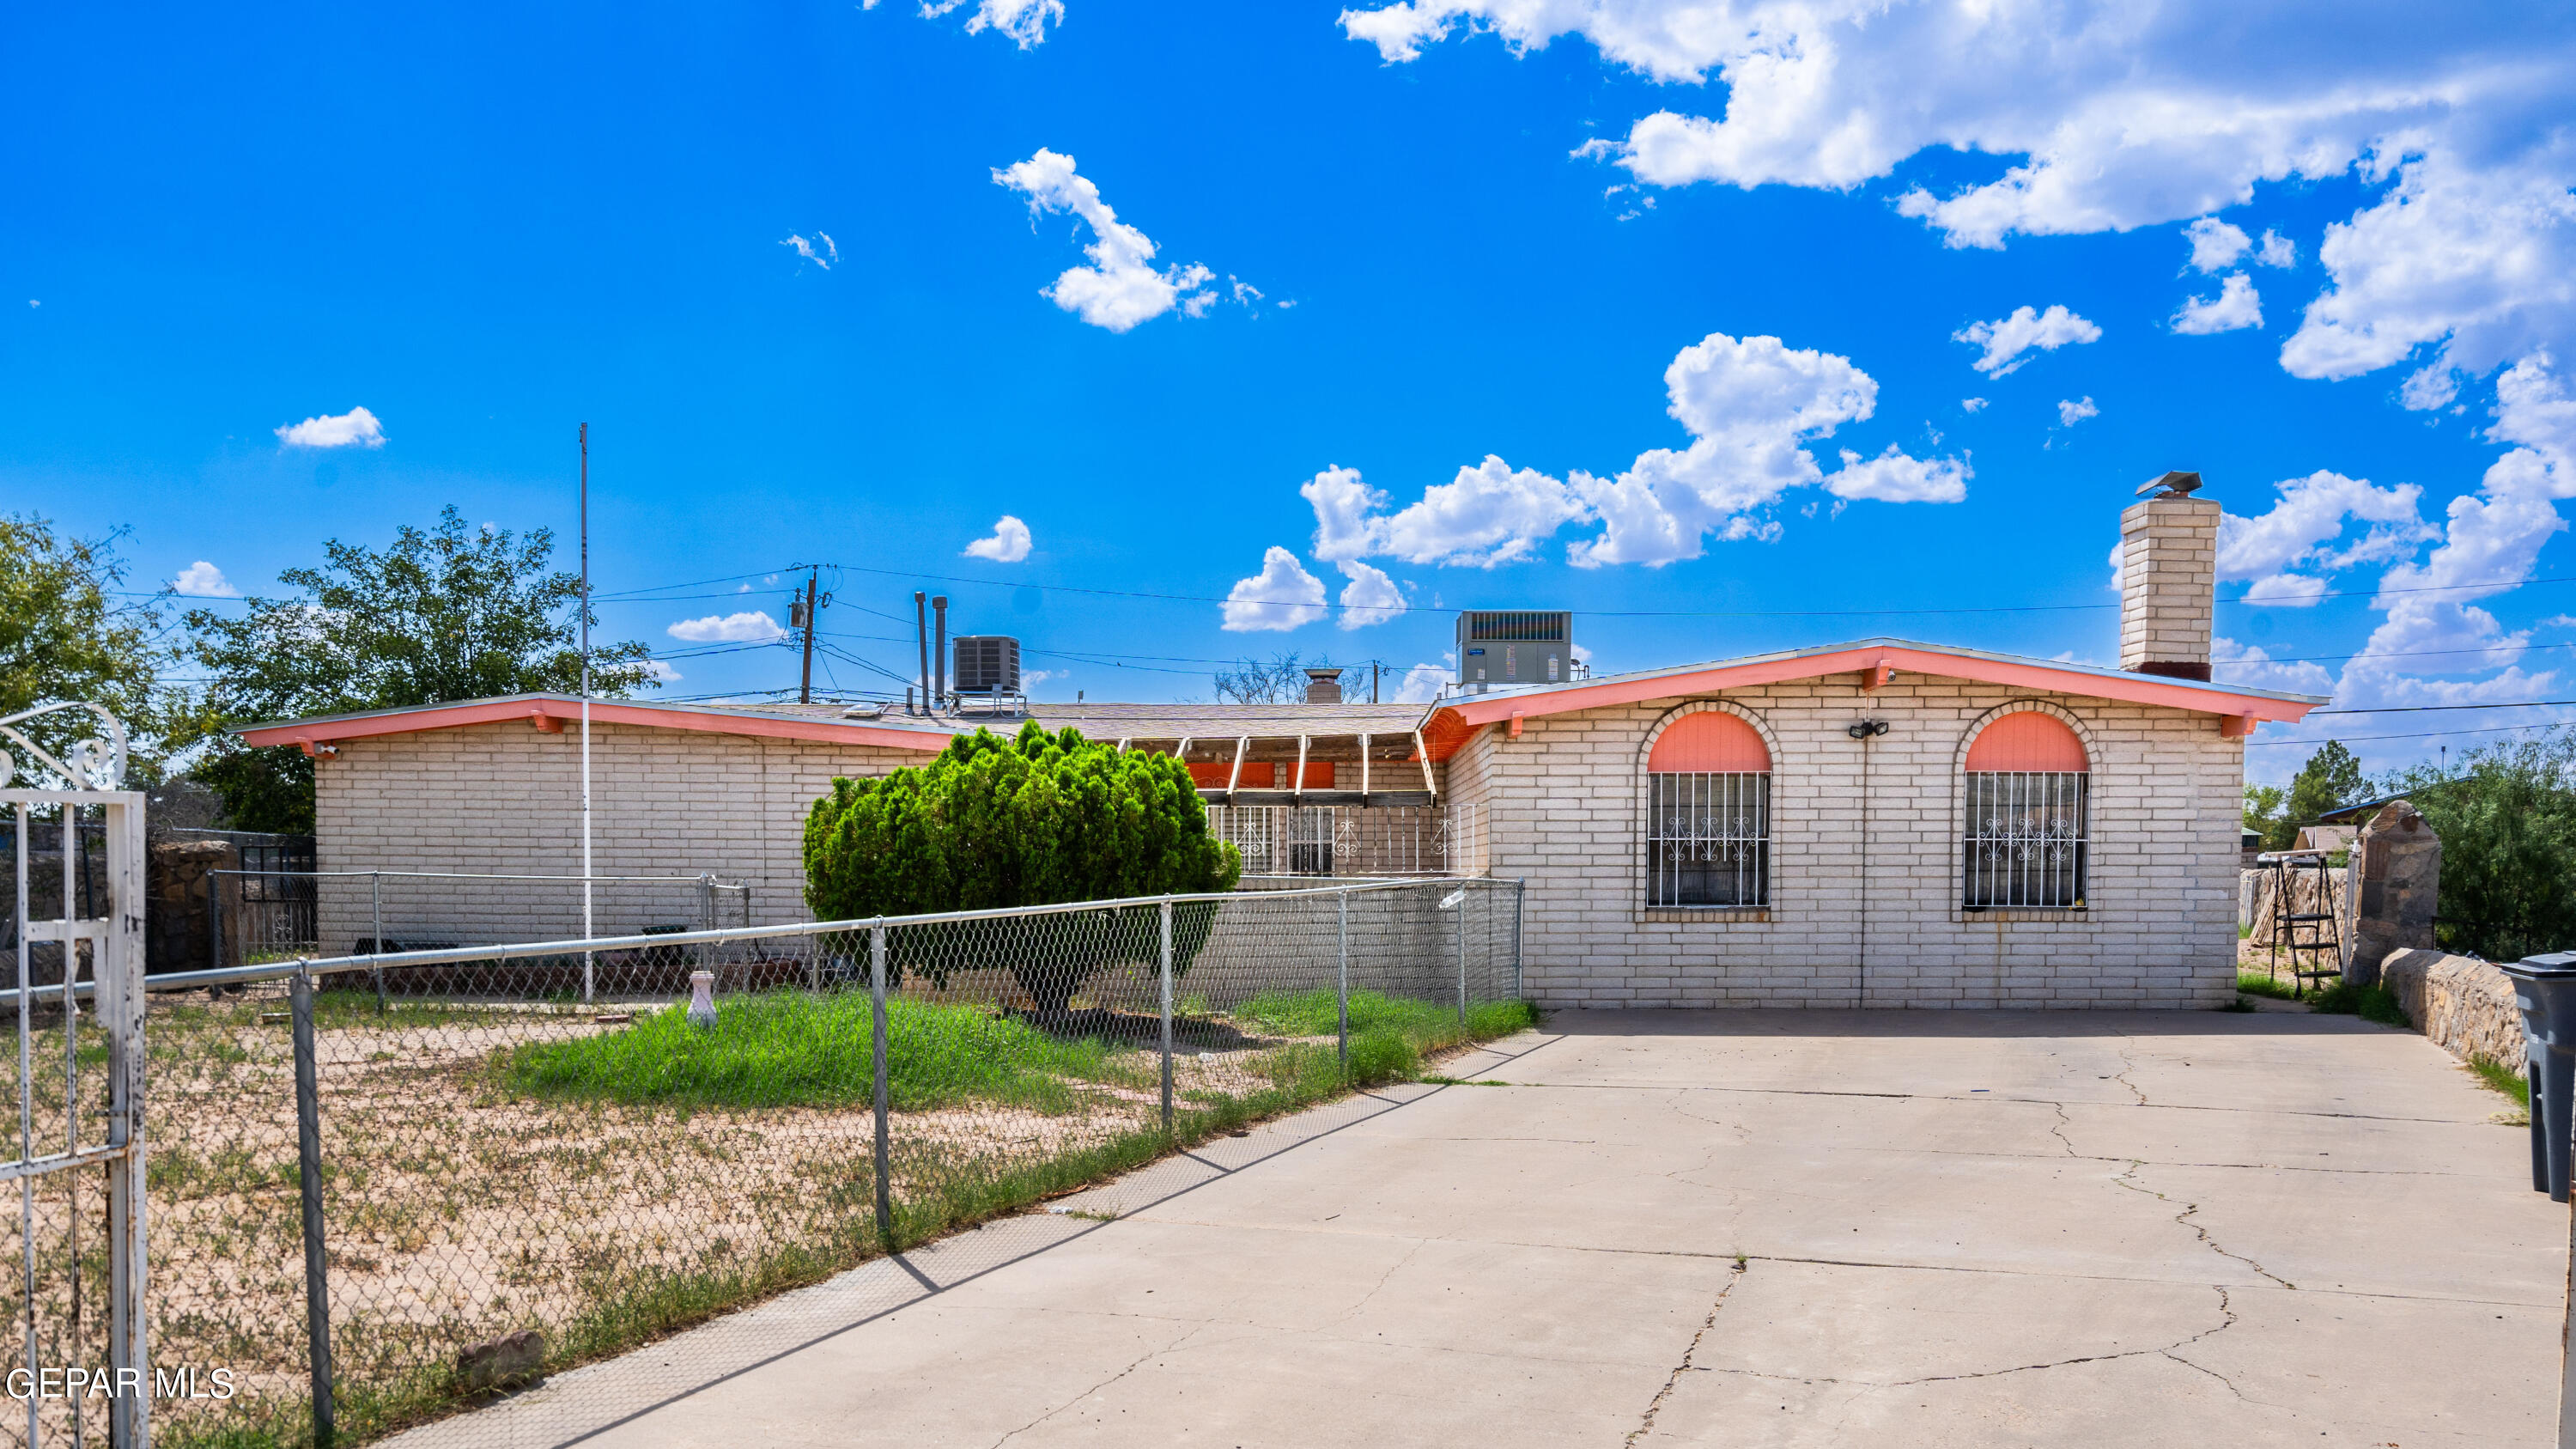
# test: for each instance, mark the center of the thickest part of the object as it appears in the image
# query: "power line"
(1675, 613)
(2420, 735)
(2415, 708)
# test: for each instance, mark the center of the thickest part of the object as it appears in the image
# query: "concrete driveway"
(1754, 1228)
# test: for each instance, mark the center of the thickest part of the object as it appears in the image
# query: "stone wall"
(2401, 876)
(2463, 1005)
(1865, 885)
(178, 881)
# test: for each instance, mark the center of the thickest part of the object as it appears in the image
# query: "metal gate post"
(1462, 955)
(877, 1065)
(1520, 930)
(376, 924)
(1167, 1013)
(118, 972)
(1342, 984)
(308, 1154)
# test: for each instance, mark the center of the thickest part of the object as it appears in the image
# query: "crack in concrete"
(1096, 1388)
(1383, 1278)
(2185, 1218)
(2128, 1065)
(2227, 1320)
(1646, 1424)
(1994, 1097)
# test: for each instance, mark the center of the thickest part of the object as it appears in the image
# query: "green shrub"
(1038, 819)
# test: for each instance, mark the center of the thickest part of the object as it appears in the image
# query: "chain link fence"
(266, 915)
(382, 1188)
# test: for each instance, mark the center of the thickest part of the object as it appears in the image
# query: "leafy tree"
(1034, 820)
(64, 634)
(2263, 806)
(2506, 816)
(2332, 777)
(452, 613)
(1281, 681)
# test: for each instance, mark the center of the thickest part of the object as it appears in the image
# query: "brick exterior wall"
(507, 798)
(2158, 929)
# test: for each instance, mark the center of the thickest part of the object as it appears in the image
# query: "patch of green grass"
(2370, 1003)
(2256, 983)
(1428, 1025)
(790, 1049)
(2506, 1079)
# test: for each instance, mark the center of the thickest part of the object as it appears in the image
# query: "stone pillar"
(179, 882)
(2168, 584)
(2401, 874)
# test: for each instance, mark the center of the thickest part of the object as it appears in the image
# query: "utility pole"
(805, 686)
(1375, 669)
(587, 923)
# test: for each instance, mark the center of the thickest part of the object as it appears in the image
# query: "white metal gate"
(75, 863)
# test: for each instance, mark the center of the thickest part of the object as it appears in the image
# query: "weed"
(2370, 1003)
(789, 1049)
(2257, 983)
(2503, 1078)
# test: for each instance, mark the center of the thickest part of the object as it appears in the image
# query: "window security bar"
(2026, 839)
(1708, 839)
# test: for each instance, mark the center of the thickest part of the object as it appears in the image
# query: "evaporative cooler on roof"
(1514, 646)
(986, 664)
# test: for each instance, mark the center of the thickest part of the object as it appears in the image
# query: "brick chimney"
(2168, 579)
(1324, 684)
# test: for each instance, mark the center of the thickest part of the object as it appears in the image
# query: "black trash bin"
(2545, 988)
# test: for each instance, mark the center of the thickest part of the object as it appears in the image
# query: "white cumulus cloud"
(1752, 405)
(2069, 413)
(2309, 525)
(2235, 306)
(355, 428)
(202, 580)
(822, 256)
(1281, 597)
(750, 627)
(1121, 287)
(1009, 542)
(1421, 684)
(2215, 245)
(1024, 21)
(1370, 597)
(2108, 118)
(2008, 340)
(2276, 251)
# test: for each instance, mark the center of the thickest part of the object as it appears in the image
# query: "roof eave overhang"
(1448, 726)
(331, 729)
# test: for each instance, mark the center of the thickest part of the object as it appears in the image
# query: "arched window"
(2027, 815)
(1708, 814)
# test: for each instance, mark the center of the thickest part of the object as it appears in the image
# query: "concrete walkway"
(1771, 1228)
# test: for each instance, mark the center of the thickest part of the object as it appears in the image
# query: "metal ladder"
(2318, 933)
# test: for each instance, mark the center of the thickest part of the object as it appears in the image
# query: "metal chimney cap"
(2174, 485)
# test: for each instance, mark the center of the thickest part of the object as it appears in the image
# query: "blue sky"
(1475, 231)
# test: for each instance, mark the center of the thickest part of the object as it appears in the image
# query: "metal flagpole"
(587, 930)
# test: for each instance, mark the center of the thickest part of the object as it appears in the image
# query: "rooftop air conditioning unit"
(1514, 646)
(986, 664)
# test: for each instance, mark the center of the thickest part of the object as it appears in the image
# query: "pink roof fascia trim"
(2133, 689)
(447, 717)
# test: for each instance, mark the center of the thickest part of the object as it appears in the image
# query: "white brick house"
(1879, 823)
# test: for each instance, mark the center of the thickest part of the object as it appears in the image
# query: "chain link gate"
(75, 910)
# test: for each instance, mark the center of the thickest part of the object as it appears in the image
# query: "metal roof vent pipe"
(1324, 684)
(939, 651)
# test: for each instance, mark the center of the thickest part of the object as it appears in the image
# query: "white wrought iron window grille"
(1708, 840)
(2026, 842)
